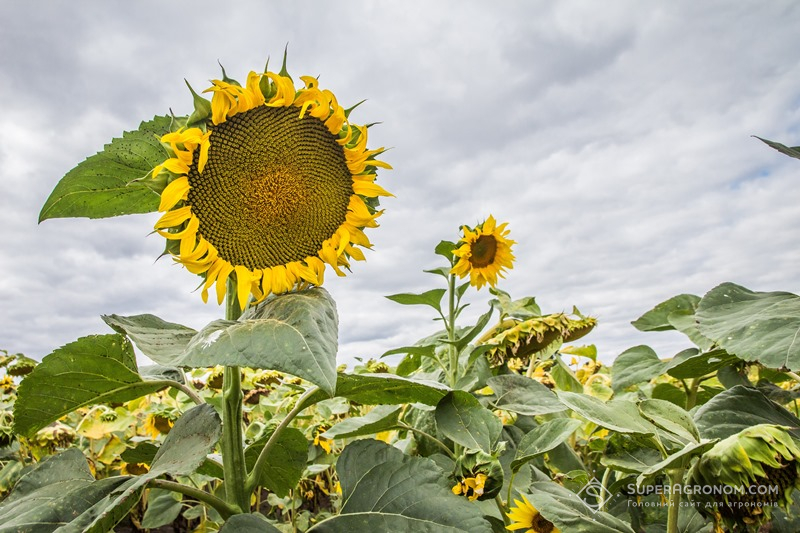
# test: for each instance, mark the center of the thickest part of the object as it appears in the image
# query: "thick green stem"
(451, 329)
(232, 443)
(252, 478)
(187, 391)
(675, 479)
(225, 510)
(499, 501)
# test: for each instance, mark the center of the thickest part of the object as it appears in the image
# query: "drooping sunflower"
(484, 253)
(527, 518)
(268, 184)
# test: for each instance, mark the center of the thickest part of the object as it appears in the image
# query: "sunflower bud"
(479, 476)
(760, 463)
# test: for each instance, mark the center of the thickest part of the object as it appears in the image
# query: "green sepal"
(225, 77)
(202, 108)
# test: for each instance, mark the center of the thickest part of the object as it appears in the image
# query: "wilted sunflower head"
(762, 464)
(269, 185)
(484, 253)
(523, 339)
(524, 516)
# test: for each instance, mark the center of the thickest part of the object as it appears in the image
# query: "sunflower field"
(509, 423)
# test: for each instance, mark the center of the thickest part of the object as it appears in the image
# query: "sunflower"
(484, 253)
(268, 186)
(525, 516)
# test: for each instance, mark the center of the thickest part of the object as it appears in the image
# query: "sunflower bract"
(271, 188)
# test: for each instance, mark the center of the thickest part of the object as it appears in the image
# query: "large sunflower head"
(269, 185)
(484, 253)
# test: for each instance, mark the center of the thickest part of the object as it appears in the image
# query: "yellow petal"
(222, 281)
(176, 191)
(244, 278)
(370, 190)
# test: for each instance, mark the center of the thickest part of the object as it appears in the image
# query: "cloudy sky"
(616, 142)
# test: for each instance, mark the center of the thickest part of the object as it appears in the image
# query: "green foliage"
(105, 184)
(754, 326)
(296, 333)
(377, 478)
(103, 365)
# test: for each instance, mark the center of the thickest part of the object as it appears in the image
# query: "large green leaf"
(188, 443)
(296, 333)
(93, 369)
(103, 185)
(754, 326)
(793, 151)
(163, 507)
(616, 415)
(680, 459)
(569, 513)
(378, 478)
(432, 298)
(461, 418)
(523, 395)
(542, 439)
(670, 417)
(380, 389)
(350, 523)
(657, 319)
(692, 364)
(381, 418)
(161, 341)
(287, 460)
(248, 523)
(635, 365)
(739, 408)
(53, 493)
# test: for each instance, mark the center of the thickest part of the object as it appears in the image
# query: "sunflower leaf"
(432, 298)
(754, 326)
(635, 365)
(542, 439)
(461, 418)
(385, 490)
(103, 185)
(657, 319)
(287, 460)
(793, 151)
(157, 339)
(91, 370)
(381, 418)
(295, 333)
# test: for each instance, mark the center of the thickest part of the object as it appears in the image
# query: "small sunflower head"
(479, 476)
(523, 339)
(761, 464)
(267, 185)
(524, 516)
(484, 253)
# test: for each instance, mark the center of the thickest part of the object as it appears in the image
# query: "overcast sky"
(614, 137)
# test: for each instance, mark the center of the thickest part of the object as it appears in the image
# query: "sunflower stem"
(224, 509)
(451, 330)
(675, 479)
(232, 444)
(501, 506)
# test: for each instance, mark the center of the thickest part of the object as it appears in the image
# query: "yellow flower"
(525, 516)
(155, 425)
(322, 442)
(471, 487)
(274, 187)
(484, 253)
